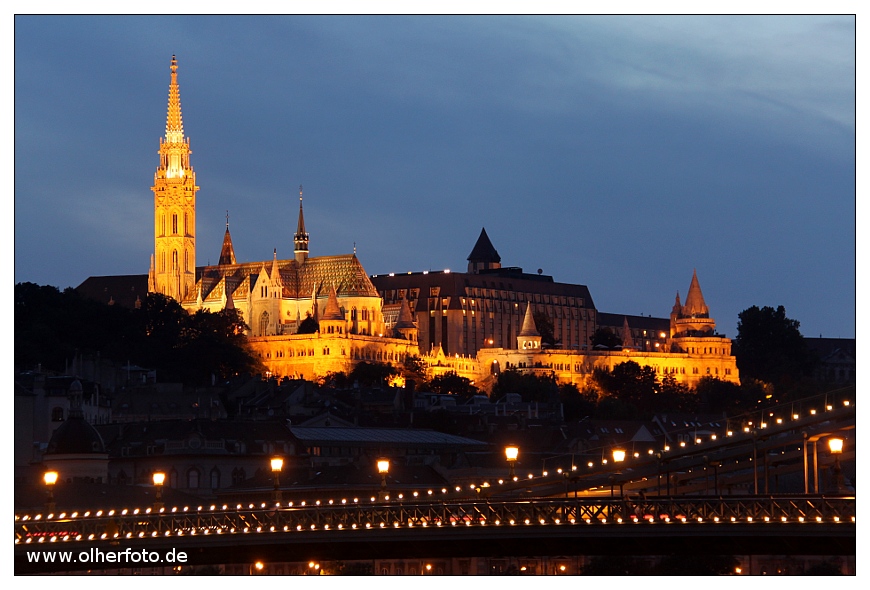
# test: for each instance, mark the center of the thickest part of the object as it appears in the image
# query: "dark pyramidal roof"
(483, 250)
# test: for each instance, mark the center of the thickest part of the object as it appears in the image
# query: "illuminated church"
(275, 297)
(308, 316)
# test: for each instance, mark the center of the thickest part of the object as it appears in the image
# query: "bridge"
(669, 500)
(364, 530)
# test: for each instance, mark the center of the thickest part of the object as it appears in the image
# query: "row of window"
(174, 266)
(174, 224)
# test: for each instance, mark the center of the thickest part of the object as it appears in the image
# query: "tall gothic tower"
(173, 264)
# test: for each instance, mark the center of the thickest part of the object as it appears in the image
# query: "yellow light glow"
(836, 445)
(618, 455)
(50, 478)
(158, 477)
(511, 452)
(383, 465)
(277, 463)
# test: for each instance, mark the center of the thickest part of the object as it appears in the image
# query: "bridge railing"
(481, 512)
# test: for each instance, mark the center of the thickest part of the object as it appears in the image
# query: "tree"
(769, 347)
(531, 387)
(308, 326)
(452, 384)
(604, 337)
(717, 396)
(545, 328)
(51, 327)
(575, 403)
(371, 374)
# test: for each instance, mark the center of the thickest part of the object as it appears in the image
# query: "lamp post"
(511, 453)
(383, 469)
(618, 457)
(158, 478)
(50, 479)
(277, 463)
(836, 447)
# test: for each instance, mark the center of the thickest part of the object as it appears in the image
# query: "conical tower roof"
(529, 327)
(678, 307)
(228, 255)
(695, 306)
(174, 127)
(483, 250)
(275, 274)
(627, 340)
(333, 310)
(405, 320)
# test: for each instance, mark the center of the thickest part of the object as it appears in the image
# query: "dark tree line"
(51, 327)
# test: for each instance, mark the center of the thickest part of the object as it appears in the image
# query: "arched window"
(185, 223)
(174, 223)
(163, 224)
(173, 479)
(215, 476)
(162, 261)
(175, 260)
(193, 478)
(264, 323)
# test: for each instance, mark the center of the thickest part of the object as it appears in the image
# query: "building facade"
(274, 297)
(462, 313)
(693, 350)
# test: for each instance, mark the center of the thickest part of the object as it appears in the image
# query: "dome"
(74, 437)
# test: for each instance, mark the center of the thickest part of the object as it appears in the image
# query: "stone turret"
(529, 338)
(406, 327)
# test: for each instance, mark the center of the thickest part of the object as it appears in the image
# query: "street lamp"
(618, 457)
(383, 469)
(50, 478)
(836, 447)
(511, 452)
(277, 464)
(157, 478)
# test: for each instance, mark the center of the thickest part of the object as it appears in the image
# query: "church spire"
(174, 127)
(174, 205)
(300, 239)
(228, 255)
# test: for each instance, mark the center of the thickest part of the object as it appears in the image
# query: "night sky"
(616, 152)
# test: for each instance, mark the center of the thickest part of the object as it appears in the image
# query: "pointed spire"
(627, 340)
(152, 279)
(275, 275)
(333, 310)
(695, 306)
(174, 126)
(228, 255)
(529, 328)
(405, 320)
(300, 239)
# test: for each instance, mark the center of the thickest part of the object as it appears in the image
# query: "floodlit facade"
(476, 323)
(275, 296)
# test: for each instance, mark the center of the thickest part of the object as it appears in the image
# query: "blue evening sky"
(619, 152)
